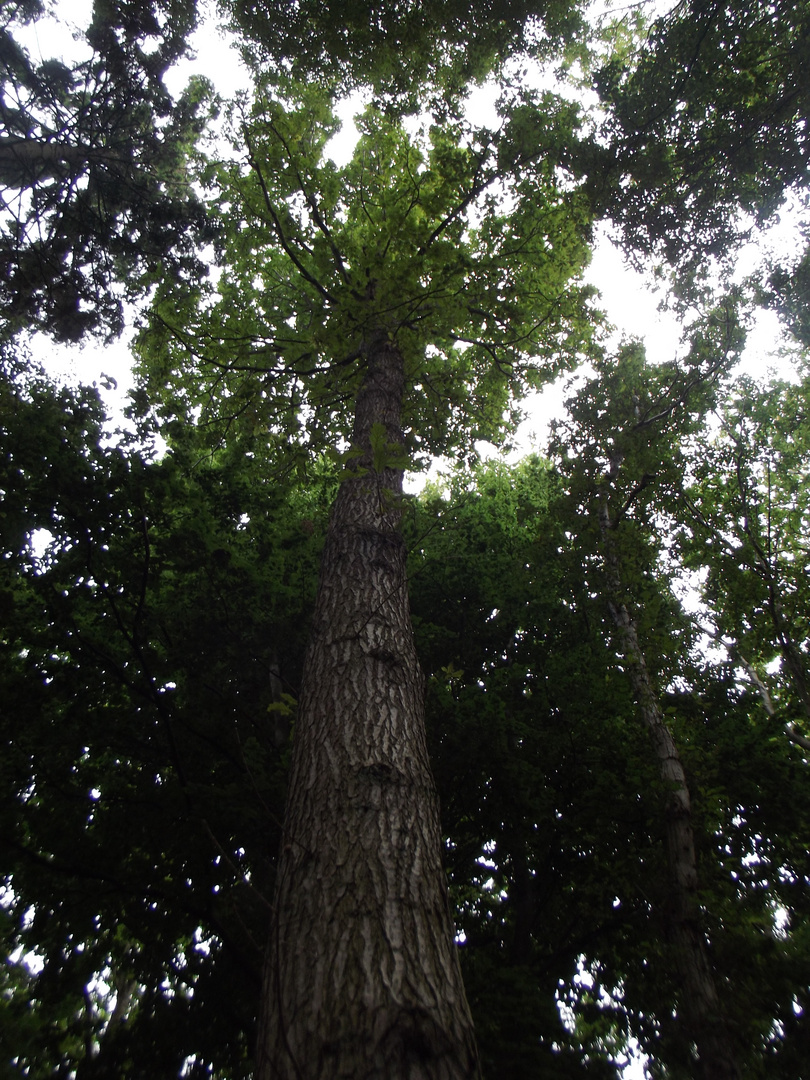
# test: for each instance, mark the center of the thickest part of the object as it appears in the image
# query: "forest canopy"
(305, 774)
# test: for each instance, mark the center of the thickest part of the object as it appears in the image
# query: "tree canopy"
(96, 192)
(288, 753)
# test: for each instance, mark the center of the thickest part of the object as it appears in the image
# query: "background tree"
(745, 504)
(623, 421)
(143, 779)
(96, 190)
(648, 443)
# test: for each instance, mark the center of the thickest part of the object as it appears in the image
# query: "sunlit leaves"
(421, 237)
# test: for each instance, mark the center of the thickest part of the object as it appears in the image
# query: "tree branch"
(278, 229)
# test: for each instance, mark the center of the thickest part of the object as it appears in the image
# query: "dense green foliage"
(400, 48)
(96, 190)
(708, 119)
(156, 583)
(145, 634)
(409, 237)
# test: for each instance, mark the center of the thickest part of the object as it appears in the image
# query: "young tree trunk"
(362, 977)
(704, 1022)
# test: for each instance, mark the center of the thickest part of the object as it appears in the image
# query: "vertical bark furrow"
(362, 977)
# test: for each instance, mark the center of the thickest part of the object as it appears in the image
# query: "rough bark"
(362, 977)
(702, 1013)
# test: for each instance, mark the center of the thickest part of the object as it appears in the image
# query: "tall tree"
(620, 421)
(394, 306)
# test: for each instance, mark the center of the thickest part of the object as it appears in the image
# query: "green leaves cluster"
(406, 53)
(707, 120)
(143, 777)
(97, 190)
(410, 239)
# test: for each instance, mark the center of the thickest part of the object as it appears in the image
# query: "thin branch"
(312, 203)
(475, 189)
(278, 229)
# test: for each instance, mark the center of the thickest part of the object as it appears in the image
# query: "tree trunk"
(362, 977)
(24, 162)
(704, 1023)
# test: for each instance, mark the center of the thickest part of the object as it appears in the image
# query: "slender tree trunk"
(704, 1023)
(25, 161)
(362, 978)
